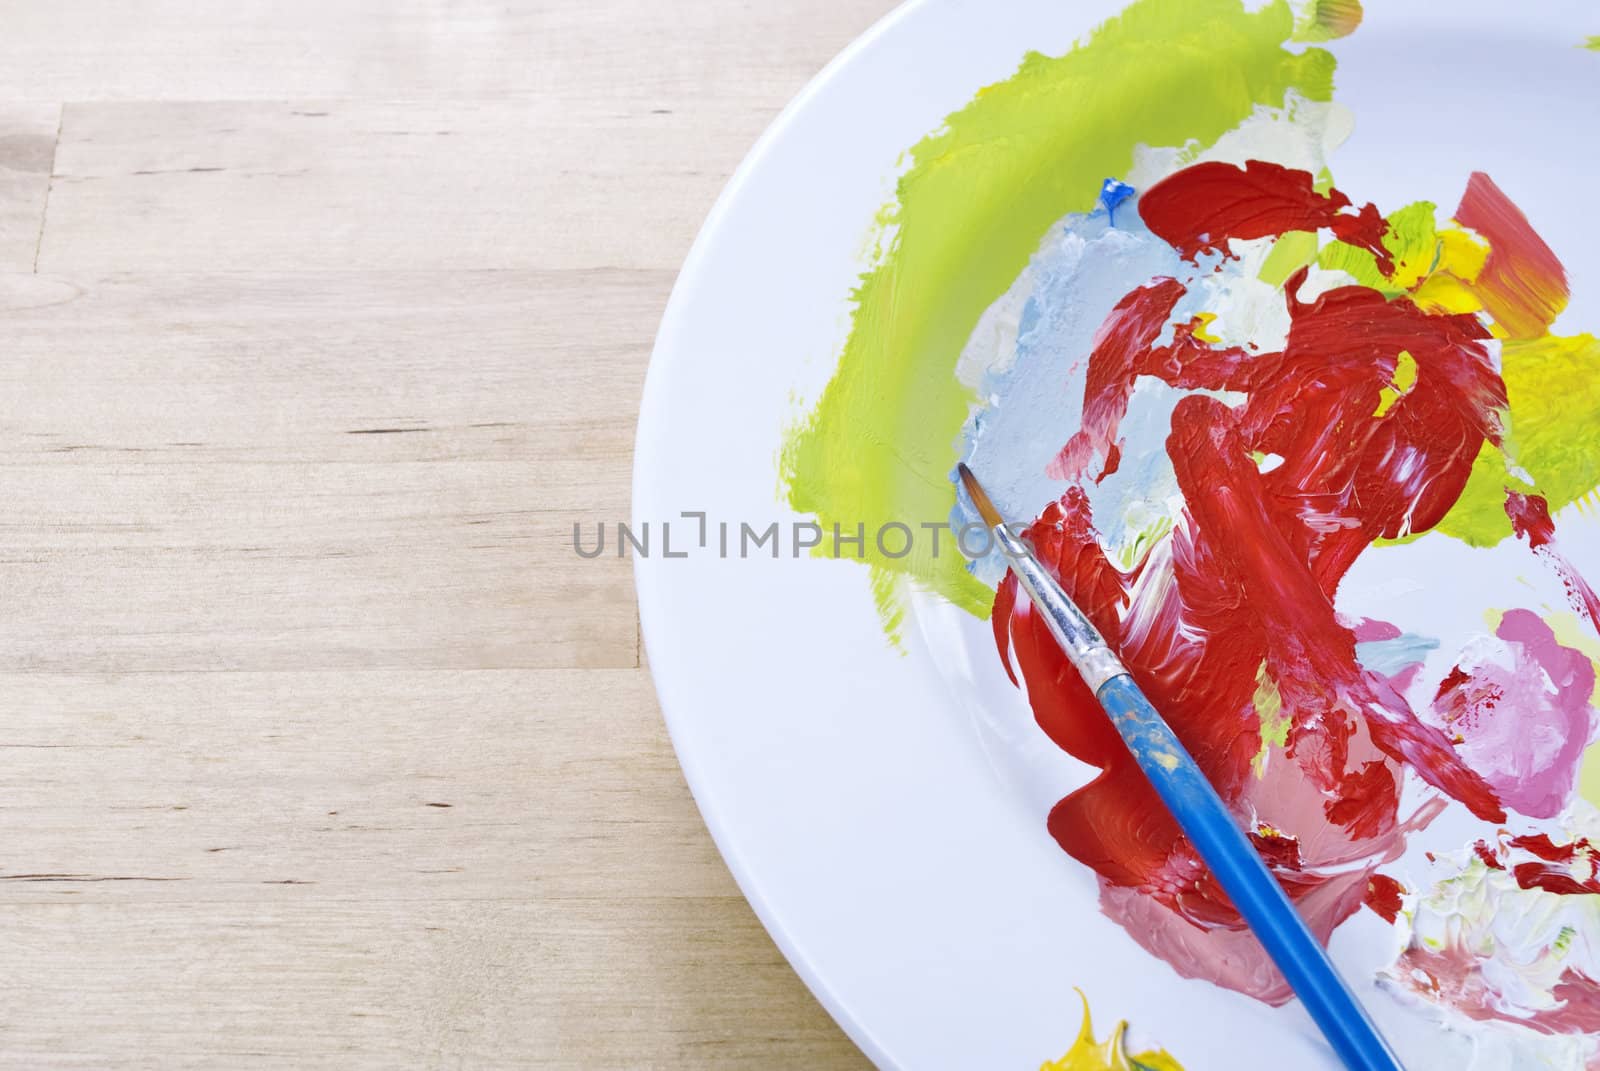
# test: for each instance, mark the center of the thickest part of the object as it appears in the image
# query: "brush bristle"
(979, 496)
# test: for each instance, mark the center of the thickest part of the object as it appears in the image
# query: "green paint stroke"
(1292, 251)
(1593, 44)
(978, 196)
(1412, 240)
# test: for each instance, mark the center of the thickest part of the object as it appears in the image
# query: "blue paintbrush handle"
(1249, 884)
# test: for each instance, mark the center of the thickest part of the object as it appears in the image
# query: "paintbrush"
(1205, 819)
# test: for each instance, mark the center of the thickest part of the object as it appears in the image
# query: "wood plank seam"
(50, 181)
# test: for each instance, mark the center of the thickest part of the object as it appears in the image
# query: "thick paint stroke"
(1376, 410)
(1202, 208)
(970, 209)
(1522, 285)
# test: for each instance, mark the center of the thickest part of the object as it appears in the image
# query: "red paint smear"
(1551, 879)
(1280, 852)
(1579, 1013)
(1124, 349)
(1541, 845)
(1246, 581)
(1531, 521)
(1522, 285)
(1560, 867)
(1369, 794)
(1452, 681)
(1200, 208)
(1569, 869)
(1268, 556)
(1385, 896)
(1454, 976)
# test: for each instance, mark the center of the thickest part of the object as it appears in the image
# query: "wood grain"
(665, 53)
(317, 470)
(341, 186)
(324, 322)
(336, 786)
(513, 983)
(443, 869)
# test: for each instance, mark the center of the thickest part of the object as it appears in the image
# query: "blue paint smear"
(1390, 657)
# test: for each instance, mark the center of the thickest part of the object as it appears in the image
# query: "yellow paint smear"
(1405, 374)
(1087, 1054)
(1275, 723)
(1553, 385)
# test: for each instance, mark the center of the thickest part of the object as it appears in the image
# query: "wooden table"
(324, 320)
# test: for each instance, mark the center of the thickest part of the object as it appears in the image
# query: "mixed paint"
(1223, 386)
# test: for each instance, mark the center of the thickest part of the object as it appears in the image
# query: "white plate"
(883, 808)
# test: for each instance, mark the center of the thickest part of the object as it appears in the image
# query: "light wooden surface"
(321, 322)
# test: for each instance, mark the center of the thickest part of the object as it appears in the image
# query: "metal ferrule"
(1083, 644)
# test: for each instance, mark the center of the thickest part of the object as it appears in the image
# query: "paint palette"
(1275, 325)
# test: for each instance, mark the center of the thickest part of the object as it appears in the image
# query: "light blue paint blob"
(1145, 481)
(1390, 657)
(1082, 269)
